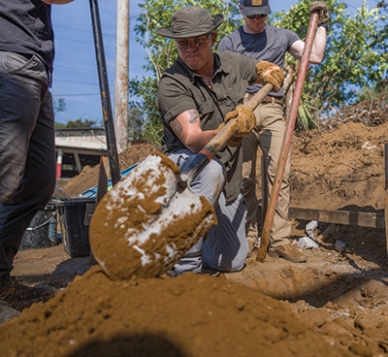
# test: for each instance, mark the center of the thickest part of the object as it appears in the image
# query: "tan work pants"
(268, 134)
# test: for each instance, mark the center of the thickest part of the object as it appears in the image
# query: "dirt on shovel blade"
(144, 225)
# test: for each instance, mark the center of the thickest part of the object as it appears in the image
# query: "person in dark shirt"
(27, 136)
(196, 95)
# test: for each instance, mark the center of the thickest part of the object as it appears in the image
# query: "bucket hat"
(191, 21)
(255, 7)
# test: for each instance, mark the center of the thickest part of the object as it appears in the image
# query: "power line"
(79, 82)
(76, 94)
(82, 30)
(350, 5)
(356, 6)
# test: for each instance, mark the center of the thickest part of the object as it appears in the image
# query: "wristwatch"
(325, 26)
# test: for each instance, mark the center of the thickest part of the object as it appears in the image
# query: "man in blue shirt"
(261, 41)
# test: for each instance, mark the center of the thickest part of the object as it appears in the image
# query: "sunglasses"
(259, 16)
(195, 41)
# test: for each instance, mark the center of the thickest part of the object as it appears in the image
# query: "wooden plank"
(102, 189)
(363, 219)
(102, 184)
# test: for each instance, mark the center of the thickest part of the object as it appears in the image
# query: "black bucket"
(74, 218)
(42, 232)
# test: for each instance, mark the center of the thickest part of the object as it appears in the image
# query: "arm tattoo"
(194, 117)
(176, 126)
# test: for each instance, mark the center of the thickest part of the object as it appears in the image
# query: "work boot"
(172, 273)
(20, 296)
(253, 241)
(288, 252)
(7, 312)
(253, 246)
(210, 272)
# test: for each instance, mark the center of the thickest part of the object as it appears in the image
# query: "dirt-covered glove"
(245, 123)
(268, 72)
(322, 10)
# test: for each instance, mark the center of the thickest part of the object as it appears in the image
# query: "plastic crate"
(74, 218)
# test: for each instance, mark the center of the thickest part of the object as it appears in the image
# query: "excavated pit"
(334, 304)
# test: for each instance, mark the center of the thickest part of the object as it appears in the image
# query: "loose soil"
(333, 305)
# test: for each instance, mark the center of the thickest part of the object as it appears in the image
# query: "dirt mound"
(187, 316)
(371, 112)
(340, 168)
(335, 304)
(89, 175)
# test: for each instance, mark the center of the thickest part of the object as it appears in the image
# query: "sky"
(75, 76)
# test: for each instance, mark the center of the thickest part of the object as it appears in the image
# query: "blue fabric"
(269, 45)
(225, 246)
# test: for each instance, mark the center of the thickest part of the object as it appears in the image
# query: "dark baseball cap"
(191, 21)
(255, 7)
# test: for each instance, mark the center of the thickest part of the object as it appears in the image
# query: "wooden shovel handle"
(223, 136)
(219, 140)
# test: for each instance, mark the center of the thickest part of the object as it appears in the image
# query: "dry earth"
(334, 305)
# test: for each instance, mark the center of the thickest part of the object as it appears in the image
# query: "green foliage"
(60, 105)
(305, 115)
(135, 124)
(59, 125)
(81, 123)
(146, 89)
(379, 91)
(355, 57)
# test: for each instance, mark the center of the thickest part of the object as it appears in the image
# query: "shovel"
(286, 144)
(104, 91)
(151, 218)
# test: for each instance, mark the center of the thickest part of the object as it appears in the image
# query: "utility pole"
(121, 80)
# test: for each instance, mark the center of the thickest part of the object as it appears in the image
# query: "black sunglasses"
(260, 16)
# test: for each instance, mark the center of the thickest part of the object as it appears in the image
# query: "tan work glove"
(246, 121)
(268, 72)
(322, 10)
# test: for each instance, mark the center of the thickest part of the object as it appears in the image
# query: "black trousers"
(27, 149)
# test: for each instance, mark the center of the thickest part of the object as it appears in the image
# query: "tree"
(355, 56)
(136, 124)
(59, 125)
(60, 105)
(81, 123)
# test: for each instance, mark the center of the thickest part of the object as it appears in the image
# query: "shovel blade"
(145, 224)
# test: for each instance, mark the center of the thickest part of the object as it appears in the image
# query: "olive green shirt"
(180, 89)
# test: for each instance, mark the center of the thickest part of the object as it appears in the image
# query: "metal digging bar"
(290, 124)
(105, 94)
